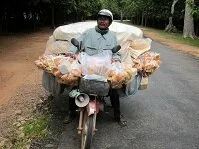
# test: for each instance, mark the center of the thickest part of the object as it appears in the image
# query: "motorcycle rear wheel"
(87, 132)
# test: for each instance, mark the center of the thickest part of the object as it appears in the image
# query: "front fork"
(91, 108)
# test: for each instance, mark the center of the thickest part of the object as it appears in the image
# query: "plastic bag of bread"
(49, 62)
(69, 65)
(45, 62)
(69, 71)
(147, 63)
(98, 64)
(134, 48)
(120, 74)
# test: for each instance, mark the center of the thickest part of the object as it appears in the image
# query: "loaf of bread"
(121, 74)
(147, 63)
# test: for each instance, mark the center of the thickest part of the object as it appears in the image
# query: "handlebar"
(78, 44)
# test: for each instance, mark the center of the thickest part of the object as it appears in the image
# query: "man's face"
(103, 22)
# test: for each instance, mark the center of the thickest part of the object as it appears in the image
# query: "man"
(96, 40)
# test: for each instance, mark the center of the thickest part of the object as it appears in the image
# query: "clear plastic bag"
(68, 65)
(98, 64)
(70, 70)
(120, 74)
(147, 63)
(116, 75)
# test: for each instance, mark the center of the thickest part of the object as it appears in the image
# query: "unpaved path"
(20, 80)
(17, 54)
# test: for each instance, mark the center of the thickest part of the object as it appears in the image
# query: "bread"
(57, 60)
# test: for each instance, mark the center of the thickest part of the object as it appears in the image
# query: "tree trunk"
(121, 16)
(142, 19)
(1, 25)
(82, 18)
(138, 19)
(146, 20)
(5, 23)
(34, 21)
(188, 30)
(170, 27)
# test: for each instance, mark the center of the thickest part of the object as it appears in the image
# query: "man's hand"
(71, 55)
(115, 60)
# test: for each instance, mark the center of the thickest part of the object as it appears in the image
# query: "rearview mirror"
(75, 42)
(116, 48)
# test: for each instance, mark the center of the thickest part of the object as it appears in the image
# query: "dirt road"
(17, 54)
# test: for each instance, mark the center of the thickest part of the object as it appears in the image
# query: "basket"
(95, 87)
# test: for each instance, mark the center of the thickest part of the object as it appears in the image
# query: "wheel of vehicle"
(87, 132)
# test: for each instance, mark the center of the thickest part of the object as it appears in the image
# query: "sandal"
(69, 118)
(122, 123)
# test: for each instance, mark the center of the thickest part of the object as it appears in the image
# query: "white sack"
(134, 48)
(74, 30)
(54, 46)
(59, 42)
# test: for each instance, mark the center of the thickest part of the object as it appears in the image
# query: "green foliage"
(195, 8)
(36, 127)
(33, 128)
(153, 12)
(77, 9)
(149, 8)
(112, 5)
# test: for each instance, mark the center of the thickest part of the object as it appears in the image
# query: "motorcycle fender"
(91, 107)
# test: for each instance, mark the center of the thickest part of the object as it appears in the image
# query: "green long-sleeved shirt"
(94, 43)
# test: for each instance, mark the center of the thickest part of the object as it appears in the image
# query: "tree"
(170, 27)
(121, 4)
(112, 5)
(188, 30)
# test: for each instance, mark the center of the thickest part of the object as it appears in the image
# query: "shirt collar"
(101, 36)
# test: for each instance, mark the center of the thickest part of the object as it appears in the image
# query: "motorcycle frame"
(92, 108)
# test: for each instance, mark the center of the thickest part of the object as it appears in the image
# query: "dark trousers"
(115, 102)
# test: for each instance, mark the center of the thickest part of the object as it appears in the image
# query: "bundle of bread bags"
(135, 55)
(100, 64)
(65, 69)
(68, 70)
(138, 53)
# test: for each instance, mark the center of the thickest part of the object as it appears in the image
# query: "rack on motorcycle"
(89, 97)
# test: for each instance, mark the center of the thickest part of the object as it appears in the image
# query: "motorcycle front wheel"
(87, 131)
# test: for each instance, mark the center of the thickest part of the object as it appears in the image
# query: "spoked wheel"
(87, 132)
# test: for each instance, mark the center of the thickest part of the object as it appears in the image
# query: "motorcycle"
(89, 97)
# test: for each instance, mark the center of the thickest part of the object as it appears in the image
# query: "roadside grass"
(174, 36)
(33, 128)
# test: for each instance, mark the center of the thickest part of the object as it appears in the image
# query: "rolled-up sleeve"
(73, 49)
(116, 55)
